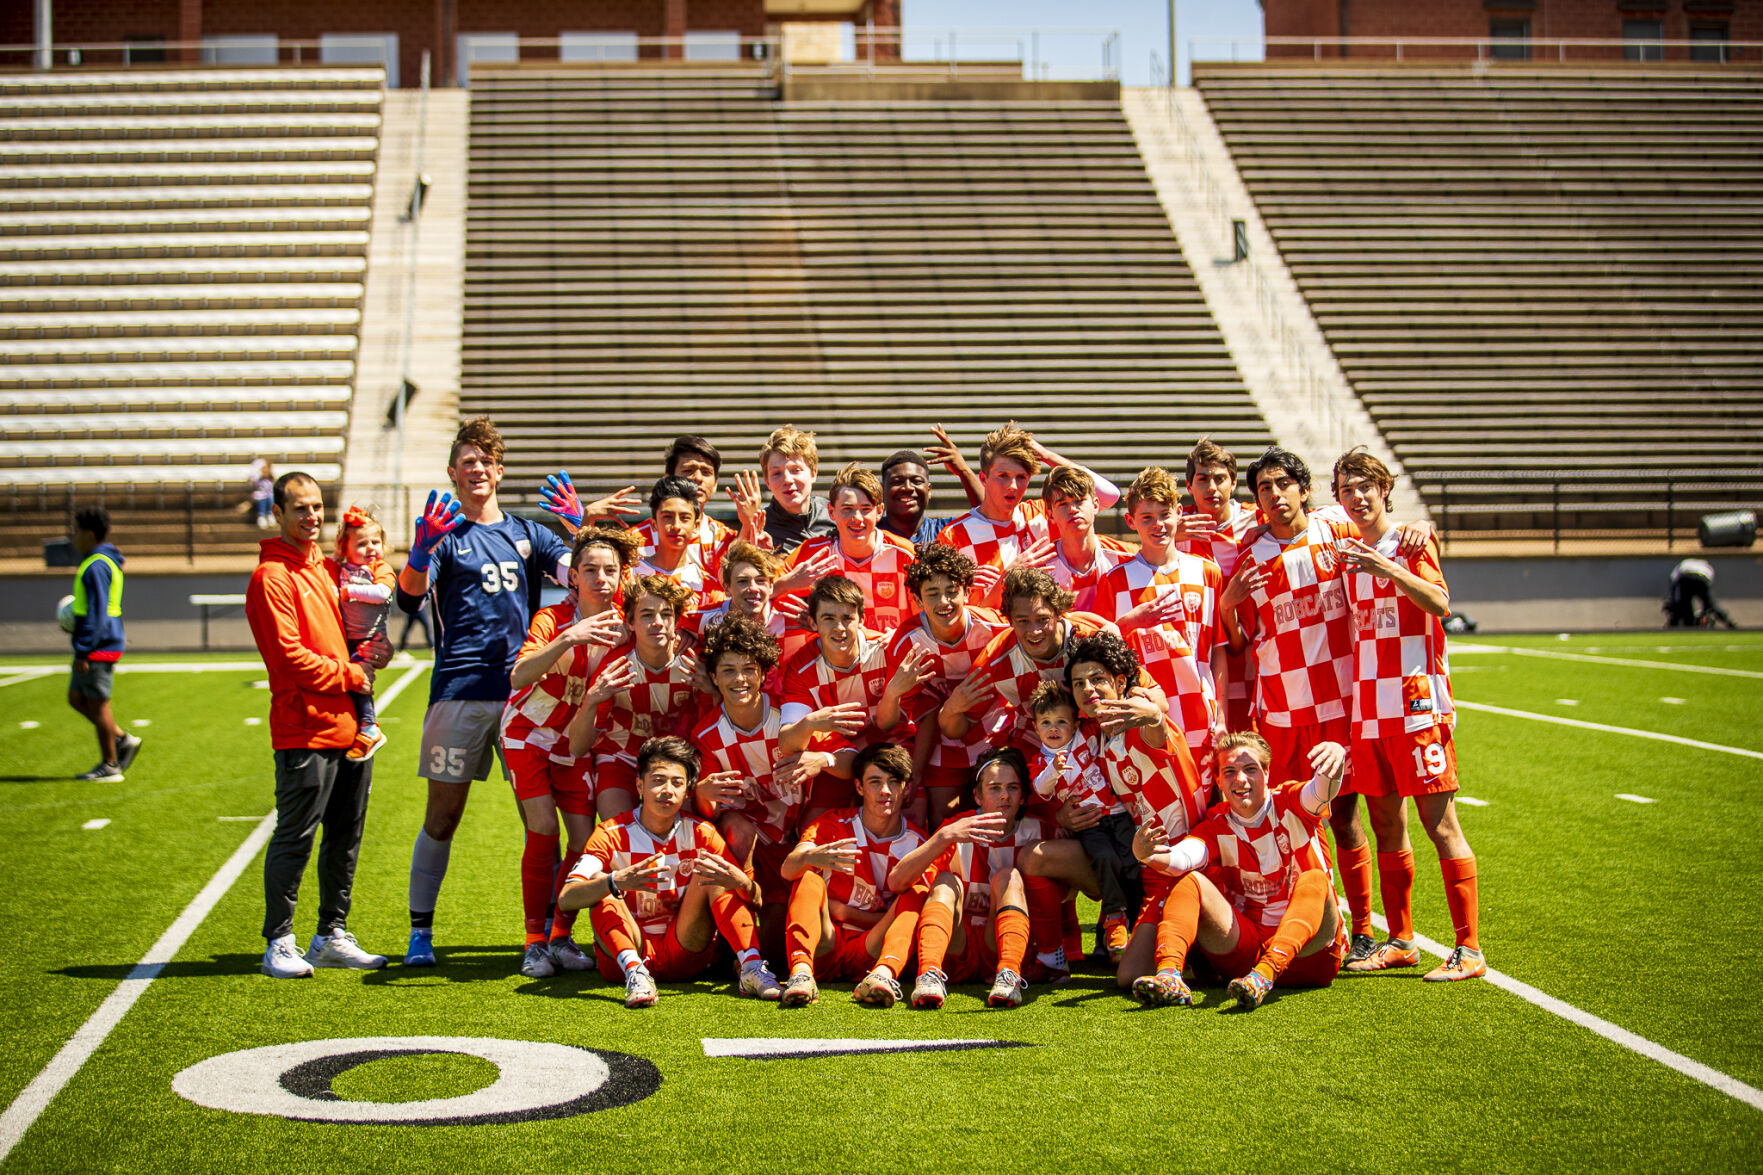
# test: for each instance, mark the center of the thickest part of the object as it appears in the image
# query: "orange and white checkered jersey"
(1010, 675)
(881, 577)
(1160, 786)
(1082, 781)
(977, 865)
(658, 702)
(623, 841)
(953, 662)
(1224, 547)
(705, 552)
(1177, 653)
(812, 682)
(1303, 629)
(996, 544)
(724, 746)
(866, 887)
(1256, 862)
(1083, 582)
(536, 717)
(1401, 673)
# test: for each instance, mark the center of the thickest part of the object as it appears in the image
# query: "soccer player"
(831, 687)
(750, 575)
(1264, 910)
(1081, 557)
(672, 884)
(642, 689)
(1402, 719)
(975, 920)
(1214, 528)
(675, 522)
(564, 647)
(846, 920)
(699, 462)
(869, 557)
(1165, 603)
(481, 569)
(98, 642)
(1146, 762)
(928, 656)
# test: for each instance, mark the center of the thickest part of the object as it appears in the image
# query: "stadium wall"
(1574, 19)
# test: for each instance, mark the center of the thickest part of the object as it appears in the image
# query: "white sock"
(629, 960)
(1053, 959)
(428, 868)
(747, 958)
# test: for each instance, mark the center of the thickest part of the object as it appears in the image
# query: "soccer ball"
(64, 613)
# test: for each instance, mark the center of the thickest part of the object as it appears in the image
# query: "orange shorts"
(978, 960)
(848, 958)
(1291, 747)
(1314, 970)
(1418, 763)
(767, 857)
(1156, 885)
(666, 959)
(614, 774)
(534, 775)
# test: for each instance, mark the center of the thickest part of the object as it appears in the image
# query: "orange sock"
(1011, 930)
(562, 921)
(1395, 881)
(897, 942)
(610, 931)
(935, 925)
(1461, 897)
(1302, 918)
(1045, 900)
(734, 921)
(802, 929)
(538, 882)
(1071, 930)
(1356, 881)
(1179, 924)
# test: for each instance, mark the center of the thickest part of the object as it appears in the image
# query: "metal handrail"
(1484, 46)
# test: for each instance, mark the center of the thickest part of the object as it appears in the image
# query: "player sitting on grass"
(862, 552)
(830, 687)
(676, 516)
(846, 922)
(1265, 910)
(976, 921)
(674, 883)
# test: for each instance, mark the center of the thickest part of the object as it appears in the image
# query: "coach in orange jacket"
(292, 607)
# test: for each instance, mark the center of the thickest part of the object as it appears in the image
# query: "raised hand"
(647, 874)
(1163, 608)
(846, 718)
(617, 677)
(792, 608)
(915, 666)
(985, 582)
(439, 516)
(1329, 760)
(1195, 526)
(558, 496)
(1248, 580)
(625, 501)
(945, 452)
(966, 697)
(722, 787)
(1358, 556)
(748, 496)
(806, 574)
(977, 828)
(1118, 714)
(839, 855)
(1037, 554)
(604, 629)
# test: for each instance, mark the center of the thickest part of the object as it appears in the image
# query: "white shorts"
(458, 741)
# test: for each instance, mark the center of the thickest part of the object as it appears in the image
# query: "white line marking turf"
(28, 675)
(94, 825)
(1634, 799)
(1472, 801)
(142, 722)
(238, 818)
(29, 725)
(1566, 701)
(30, 1104)
(1552, 655)
(1672, 701)
(253, 722)
(774, 1048)
(1694, 1070)
(1652, 734)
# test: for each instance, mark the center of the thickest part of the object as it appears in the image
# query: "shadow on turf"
(176, 969)
(33, 778)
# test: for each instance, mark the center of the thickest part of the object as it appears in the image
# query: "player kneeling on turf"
(675, 884)
(1263, 850)
(845, 922)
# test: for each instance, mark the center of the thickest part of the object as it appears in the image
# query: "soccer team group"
(874, 746)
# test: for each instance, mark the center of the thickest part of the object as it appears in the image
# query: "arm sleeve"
(273, 613)
(1107, 493)
(1190, 854)
(89, 624)
(1314, 796)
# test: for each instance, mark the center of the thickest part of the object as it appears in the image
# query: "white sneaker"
(281, 960)
(568, 954)
(536, 963)
(339, 949)
(759, 981)
(639, 988)
(127, 747)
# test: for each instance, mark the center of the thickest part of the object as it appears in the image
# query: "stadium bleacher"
(181, 263)
(656, 251)
(1544, 282)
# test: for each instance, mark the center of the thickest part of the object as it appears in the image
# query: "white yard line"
(1634, 799)
(1634, 662)
(36, 1097)
(147, 667)
(1652, 734)
(28, 675)
(1694, 1070)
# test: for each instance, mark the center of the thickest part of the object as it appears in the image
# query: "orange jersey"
(811, 682)
(977, 865)
(1256, 862)
(881, 577)
(980, 626)
(659, 701)
(1080, 782)
(1082, 582)
(537, 717)
(1401, 676)
(997, 544)
(1300, 626)
(705, 551)
(866, 887)
(623, 841)
(1160, 786)
(1224, 547)
(1177, 653)
(1010, 675)
(727, 747)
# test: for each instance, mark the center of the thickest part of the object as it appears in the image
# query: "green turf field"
(1647, 915)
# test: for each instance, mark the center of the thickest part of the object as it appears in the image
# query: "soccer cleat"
(421, 951)
(1358, 950)
(1162, 990)
(1007, 990)
(102, 773)
(339, 949)
(1464, 963)
(127, 747)
(1250, 990)
(282, 960)
(639, 988)
(568, 955)
(800, 989)
(758, 981)
(931, 990)
(1385, 957)
(536, 963)
(878, 991)
(367, 740)
(1114, 934)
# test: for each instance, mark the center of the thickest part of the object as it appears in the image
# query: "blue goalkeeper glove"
(439, 517)
(558, 496)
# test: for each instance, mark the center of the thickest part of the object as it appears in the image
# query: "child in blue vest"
(98, 642)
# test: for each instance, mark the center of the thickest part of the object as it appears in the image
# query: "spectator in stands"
(98, 642)
(263, 492)
(291, 604)
(906, 488)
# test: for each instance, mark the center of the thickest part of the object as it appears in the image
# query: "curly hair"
(1027, 583)
(940, 559)
(1155, 484)
(737, 634)
(623, 543)
(670, 591)
(1108, 651)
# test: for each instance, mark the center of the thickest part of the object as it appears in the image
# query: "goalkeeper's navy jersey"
(484, 588)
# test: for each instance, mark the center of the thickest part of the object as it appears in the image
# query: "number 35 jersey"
(484, 589)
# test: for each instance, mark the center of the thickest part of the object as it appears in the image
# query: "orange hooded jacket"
(292, 607)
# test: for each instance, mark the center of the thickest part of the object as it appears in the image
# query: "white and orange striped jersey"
(623, 841)
(1300, 626)
(538, 715)
(1158, 785)
(866, 887)
(1178, 652)
(977, 865)
(1401, 674)
(996, 544)
(954, 660)
(1081, 782)
(1256, 862)
(1224, 547)
(660, 701)
(881, 577)
(812, 682)
(727, 747)
(1082, 582)
(1010, 675)
(705, 552)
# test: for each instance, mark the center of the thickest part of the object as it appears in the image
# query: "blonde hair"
(764, 562)
(668, 591)
(1011, 442)
(356, 518)
(855, 477)
(790, 441)
(1155, 484)
(1243, 738)
(1070, 482)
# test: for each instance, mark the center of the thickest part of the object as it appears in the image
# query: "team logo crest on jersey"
(1284, 842)
(884, 590)
(875, 687)
(1191, 601)
(1131, 775)
(525, 547)
(1325, 557)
